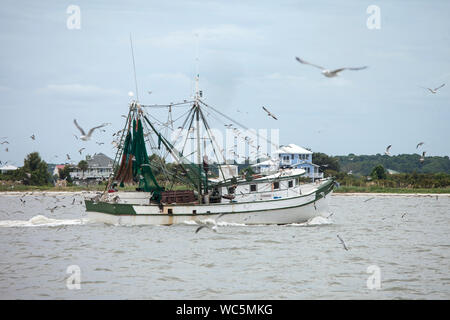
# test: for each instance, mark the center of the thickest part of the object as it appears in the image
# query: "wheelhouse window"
(253, 188)
(276, 185)
(290, 184)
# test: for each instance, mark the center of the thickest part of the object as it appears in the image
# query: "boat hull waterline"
(297, 209)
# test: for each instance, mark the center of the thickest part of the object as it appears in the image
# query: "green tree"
(378, 173)
(83, 165)
(326, 162)
(34, 171)
(65, 173)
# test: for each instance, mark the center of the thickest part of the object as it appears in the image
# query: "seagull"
(84, 136)
(387, 150)
(228, 125)
(5, 142)
(422, 158)
(208, 224)
(68, 157)
(33, 137)
(369, 199)
(52, 209)
(326, 72)
(81, 150)
(419, 144)
(404, 214)
(343, 243)
(269, 113)
(435, 89)
(99, 143)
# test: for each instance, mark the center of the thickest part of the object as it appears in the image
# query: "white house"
(291, 156)
(7, 167)
(269, 165)
(99, 168)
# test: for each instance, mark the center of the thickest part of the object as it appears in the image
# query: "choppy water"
(304, 261)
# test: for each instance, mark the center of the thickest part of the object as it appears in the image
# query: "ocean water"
(398, 248)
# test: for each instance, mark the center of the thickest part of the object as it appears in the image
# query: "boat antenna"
(198, 93)
(134, 69)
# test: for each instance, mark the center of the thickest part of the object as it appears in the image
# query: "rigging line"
(178, 104)
(239, 124)
(151, 142)
(177, 158)
(134, 69)
(188, 129)
(119, 149)
(207, 127)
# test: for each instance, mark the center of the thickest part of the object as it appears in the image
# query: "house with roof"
(291, 156)
(100, 167)
(7, 168)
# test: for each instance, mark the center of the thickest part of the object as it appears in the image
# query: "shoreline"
(404, 194)
(373, 194)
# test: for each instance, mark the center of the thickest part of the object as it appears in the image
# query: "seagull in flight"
(419, 144)
(81, 150)
(329, 73)
(208, 224)
(343, 243)
(387, 150)
(422, 158)
(33, 137)
(435, 89)
(84, 136)
(269, 113)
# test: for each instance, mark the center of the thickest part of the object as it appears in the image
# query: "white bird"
(4, 142)
(435, 89)
(33, 137)
(269, 113)
(208, 224)
(343, 243)
(326, 72)
(419, 144)
(84, 136)
(81, 150)
(99, 143)
(422, 158)
(68, 157)
(387, 150)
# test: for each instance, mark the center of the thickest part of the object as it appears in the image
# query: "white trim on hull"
(303, 212)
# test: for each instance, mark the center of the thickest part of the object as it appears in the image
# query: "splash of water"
(41, 221)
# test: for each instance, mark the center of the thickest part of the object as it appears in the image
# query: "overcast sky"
(51, 74)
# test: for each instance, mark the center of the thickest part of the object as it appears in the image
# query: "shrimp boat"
(189, 190)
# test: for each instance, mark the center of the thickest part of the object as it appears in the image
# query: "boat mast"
(199, 156)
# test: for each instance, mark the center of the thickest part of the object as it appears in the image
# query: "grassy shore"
(377, 189)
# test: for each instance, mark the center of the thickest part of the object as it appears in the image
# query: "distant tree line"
(365, 170)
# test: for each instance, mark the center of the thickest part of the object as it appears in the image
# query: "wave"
(315, 221)
(41, 221)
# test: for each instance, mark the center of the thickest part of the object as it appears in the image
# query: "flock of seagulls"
(422, 158)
